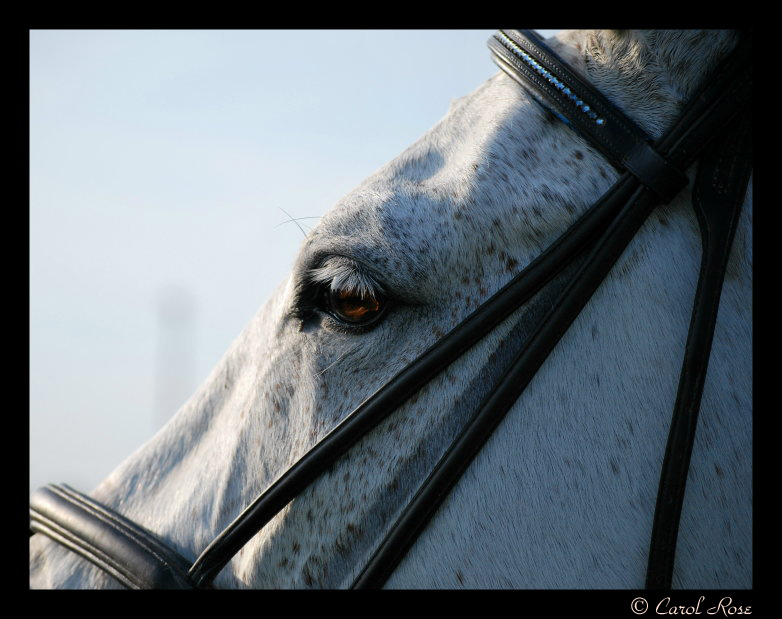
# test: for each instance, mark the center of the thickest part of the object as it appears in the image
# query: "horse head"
(563, 492)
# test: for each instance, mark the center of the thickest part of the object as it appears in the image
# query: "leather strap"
(407, 382)
(130, 553)
(533, 354)
(718, 194)
(524, 56)
(721, 98)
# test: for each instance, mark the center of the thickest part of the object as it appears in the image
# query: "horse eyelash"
(340, 273)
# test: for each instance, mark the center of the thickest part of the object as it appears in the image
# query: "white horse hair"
(563, 494)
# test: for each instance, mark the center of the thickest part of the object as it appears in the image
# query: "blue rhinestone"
(586, 108)
(600, 121)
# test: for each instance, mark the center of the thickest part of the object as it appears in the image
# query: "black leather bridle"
(714, 128)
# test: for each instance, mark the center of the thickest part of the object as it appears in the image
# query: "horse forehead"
(485, 161)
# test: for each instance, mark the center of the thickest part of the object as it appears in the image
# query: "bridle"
(714, 128)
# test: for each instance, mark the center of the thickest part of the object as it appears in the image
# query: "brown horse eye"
(352, 307)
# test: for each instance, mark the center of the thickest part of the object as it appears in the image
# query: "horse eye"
(352, 307)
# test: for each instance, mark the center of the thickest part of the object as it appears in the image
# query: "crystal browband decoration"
(550, 77)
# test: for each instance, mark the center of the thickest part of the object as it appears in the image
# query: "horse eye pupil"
(353, 307)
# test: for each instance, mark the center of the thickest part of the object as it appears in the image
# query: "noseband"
(714, 128)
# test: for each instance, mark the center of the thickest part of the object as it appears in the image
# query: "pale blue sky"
(160, 166)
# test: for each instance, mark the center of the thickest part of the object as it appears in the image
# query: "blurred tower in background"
(175, 351)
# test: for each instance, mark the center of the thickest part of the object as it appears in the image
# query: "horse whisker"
(295, 220)
(337, 360)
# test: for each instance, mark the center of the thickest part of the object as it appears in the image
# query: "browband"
(525, 57)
